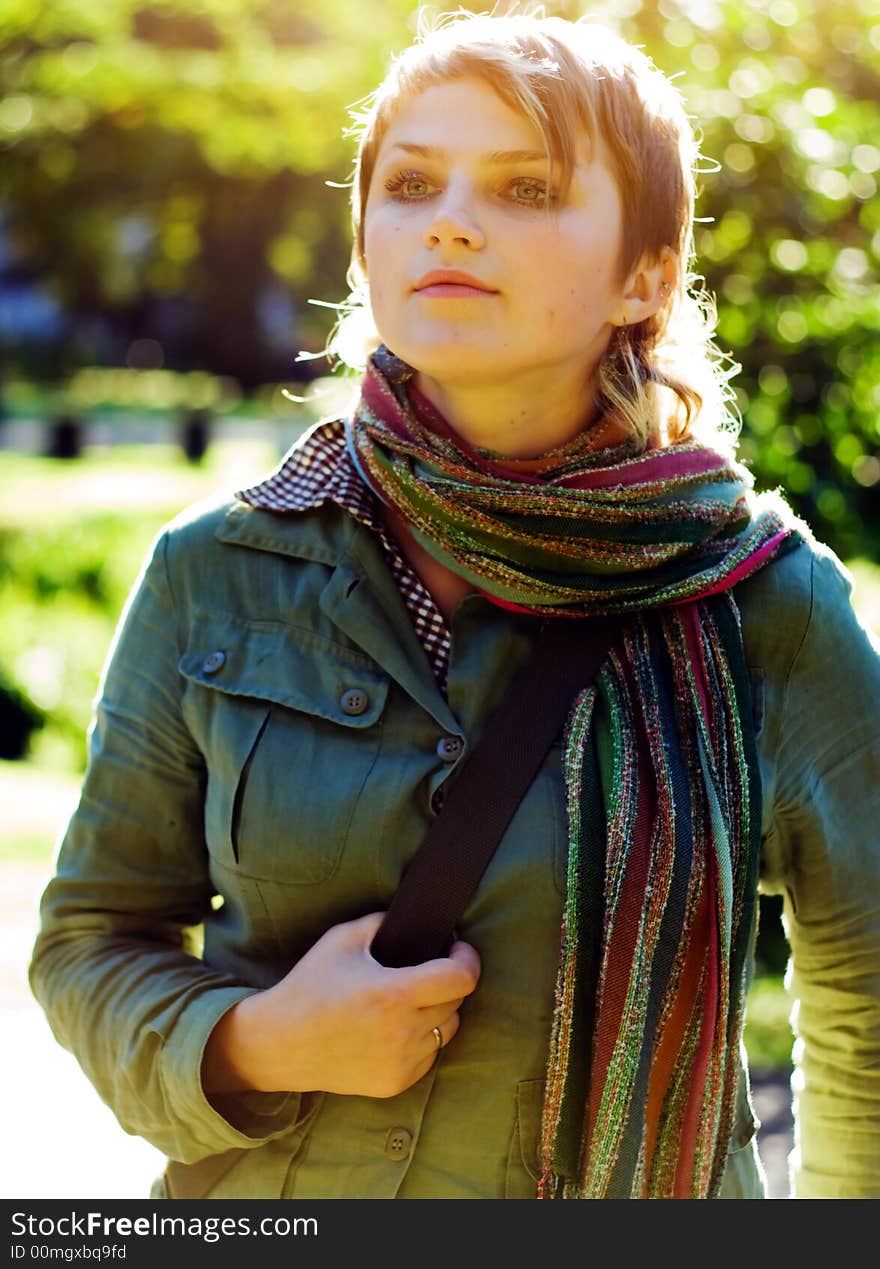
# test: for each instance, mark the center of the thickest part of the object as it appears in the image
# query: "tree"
(166, 165)
(786, 95)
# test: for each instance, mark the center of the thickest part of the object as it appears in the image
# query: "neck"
(447, 588)
(519, 420)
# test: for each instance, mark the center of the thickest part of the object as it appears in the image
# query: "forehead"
(462, 116)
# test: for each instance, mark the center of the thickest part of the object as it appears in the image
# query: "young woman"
(299, 676)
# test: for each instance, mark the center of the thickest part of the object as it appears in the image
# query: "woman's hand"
(341, 1022)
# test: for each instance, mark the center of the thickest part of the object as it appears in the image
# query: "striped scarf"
(660, 764)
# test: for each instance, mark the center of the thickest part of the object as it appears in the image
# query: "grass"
(130, 479)
(72, 538)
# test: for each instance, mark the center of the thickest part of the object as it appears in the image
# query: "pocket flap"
(271, 661)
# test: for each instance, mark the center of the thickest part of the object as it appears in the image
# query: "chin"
(463, 360)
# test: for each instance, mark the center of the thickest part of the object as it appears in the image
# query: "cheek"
(382, 251)
(382, 230)
(567, 271)
(582, 284)
(377, 270)
(565, 299)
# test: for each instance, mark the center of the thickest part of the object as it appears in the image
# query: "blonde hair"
(663, 376)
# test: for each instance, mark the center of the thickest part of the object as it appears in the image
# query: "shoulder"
(226, 554)
(782, 603)
(289, 506)
(816, 663)
(813, 663)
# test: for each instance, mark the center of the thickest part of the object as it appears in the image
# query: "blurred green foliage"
(786, 95)
(66, 570)
(19, 718)
(768, 1036)
(154, 151)
(66, 582)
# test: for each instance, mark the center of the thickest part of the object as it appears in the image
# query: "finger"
(354, 935)
(364, 929)
(433, 1015)
(442, 980)
(422, 1068)
(446, 1020)
(436, 1040)
(443, 1032)
(467, 957)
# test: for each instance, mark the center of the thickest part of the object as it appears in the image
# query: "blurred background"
(170, 208)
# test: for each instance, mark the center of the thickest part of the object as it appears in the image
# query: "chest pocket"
(289, 724)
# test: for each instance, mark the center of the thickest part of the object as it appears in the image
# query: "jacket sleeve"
(826, 826)
(111, 965)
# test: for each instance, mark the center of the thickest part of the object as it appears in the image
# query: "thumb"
(361, 931)
(444, 978)
(466, 957)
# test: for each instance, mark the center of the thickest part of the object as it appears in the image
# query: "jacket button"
(354, 701)
(449, 747)
(213, 663)
(398, 1143)
(438, 799)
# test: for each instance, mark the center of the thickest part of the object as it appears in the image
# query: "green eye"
(407, 187)
(531, 193)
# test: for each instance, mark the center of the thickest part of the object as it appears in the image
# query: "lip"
(452, 283)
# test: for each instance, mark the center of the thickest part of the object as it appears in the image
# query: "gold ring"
(435, 1031)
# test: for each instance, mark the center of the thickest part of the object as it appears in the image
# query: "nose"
(452, 223)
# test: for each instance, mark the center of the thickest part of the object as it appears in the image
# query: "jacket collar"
(360, 598)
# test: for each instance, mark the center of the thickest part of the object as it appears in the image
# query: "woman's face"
(471, 281)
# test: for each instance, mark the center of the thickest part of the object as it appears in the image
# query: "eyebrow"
(495, 157)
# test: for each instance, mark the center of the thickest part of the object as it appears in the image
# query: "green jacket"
(225, 762)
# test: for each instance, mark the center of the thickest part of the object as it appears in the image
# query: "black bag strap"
(446, 869)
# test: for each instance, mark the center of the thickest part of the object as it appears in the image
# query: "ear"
(647, 288)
